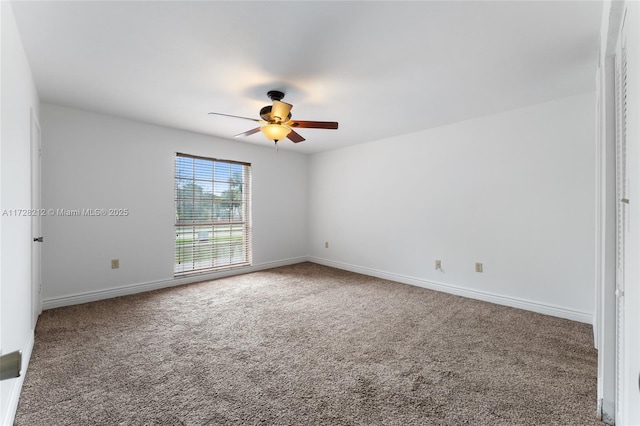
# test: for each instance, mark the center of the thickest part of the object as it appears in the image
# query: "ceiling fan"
(276, 122)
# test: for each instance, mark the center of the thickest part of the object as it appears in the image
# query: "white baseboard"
(513, 302)
(92, 296)
(16, 384)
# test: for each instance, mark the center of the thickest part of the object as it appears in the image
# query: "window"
(213, 214)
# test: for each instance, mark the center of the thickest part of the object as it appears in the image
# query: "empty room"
(319, 212)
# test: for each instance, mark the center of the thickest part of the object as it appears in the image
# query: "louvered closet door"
(622, 185)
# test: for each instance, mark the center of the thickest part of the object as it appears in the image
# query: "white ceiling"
(378, 68)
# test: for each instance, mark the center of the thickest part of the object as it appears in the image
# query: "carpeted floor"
(306, 345)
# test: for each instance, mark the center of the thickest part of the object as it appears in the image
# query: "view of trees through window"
(212, 199)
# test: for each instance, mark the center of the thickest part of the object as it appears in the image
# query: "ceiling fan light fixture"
(275, 132)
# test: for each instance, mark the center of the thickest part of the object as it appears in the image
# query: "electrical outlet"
(326, 245)
(115, 263)
(478, 267)
(438, 264)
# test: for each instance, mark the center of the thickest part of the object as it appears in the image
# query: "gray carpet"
(306, 345)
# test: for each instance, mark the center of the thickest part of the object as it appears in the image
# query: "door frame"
(36, 219)
(618, 312)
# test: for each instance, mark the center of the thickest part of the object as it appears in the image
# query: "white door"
(622, 206)
(36, 222)
(629, 52)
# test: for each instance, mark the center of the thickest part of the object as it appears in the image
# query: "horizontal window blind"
(213, 214)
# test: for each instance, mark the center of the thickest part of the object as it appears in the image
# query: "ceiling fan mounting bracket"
(275, 95)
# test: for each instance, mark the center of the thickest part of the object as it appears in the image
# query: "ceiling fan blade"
(248, 132)
(234, 116)
(295, 137)
(312, 124)
(280, 110)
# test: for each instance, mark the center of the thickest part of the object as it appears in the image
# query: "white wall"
(19, 96)
(97, 161)
(514, 191)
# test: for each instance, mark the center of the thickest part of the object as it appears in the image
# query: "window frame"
(207, 226)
